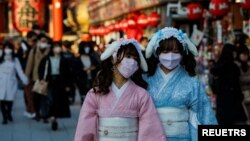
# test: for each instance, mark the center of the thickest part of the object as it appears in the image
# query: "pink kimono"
(132, 117)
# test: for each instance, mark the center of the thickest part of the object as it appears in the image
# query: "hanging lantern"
(27, 13)
(102, 30)
(111, 27)
(124, 24)
(153, 19)
(245, 4)
(92, 30)
(131, 23)
(142, 20)
(117, 26)
(219, 7)
(194, 11)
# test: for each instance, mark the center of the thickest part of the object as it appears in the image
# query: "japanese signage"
(27, 13)
(118, 7)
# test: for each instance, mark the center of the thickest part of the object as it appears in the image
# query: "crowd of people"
(146, 90)
(24, 61)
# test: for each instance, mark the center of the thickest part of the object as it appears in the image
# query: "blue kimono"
(181, 102)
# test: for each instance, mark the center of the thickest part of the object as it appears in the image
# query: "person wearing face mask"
(86, 67)
(10, 69)
(118, 108)
(39, 51)
(57, 78)
(179, 97)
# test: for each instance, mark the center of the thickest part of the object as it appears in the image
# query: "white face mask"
(127, 67)
(86, 49)
(7, 51)
(43, 45)
(170, 60)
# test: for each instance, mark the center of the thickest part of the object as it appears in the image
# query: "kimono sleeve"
(200, 112)
(87, 124)
(150, 127)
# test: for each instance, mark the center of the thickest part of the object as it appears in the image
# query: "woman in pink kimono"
(118, 108)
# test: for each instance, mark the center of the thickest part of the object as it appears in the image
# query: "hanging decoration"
(194, 11)
(154, 19)
(245, 4)
(27, 13)
(219, 7)
(142, 21)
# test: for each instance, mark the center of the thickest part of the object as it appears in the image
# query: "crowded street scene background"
(52, 53)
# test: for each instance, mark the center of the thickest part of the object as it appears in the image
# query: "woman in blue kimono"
(179, 97)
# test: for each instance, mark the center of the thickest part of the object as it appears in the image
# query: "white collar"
(118, 92)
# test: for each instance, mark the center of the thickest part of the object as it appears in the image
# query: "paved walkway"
(24, 129)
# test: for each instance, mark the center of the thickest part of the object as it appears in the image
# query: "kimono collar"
(170, 74)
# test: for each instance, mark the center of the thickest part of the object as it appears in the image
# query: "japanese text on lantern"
(27, 13)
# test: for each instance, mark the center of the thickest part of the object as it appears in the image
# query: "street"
(25, 129)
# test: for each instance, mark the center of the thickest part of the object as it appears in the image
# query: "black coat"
(227, 88)
(81, 76)
(59, 99)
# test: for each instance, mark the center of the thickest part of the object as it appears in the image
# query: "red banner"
(26, 13)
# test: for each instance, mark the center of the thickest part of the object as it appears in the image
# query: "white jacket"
(9, 71)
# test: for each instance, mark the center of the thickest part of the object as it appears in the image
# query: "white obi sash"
(118, 129)
(174, 121)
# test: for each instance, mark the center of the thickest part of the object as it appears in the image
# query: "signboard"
(26, 13)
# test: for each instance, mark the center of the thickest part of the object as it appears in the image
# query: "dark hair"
(84, 44)
(36, 27)
(31, 35)
(143, 39)
(41, 35)
(105, 75)
(54, 44)
(67, 44)
(188, 60)
(244, 65)
(7, 45)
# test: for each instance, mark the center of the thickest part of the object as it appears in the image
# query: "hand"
(43, 81)
(67, 89)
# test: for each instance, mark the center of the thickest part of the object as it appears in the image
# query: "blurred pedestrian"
(36, 54)
(244, 65)
(70, 61)
(229, 97)
(10, 70)
(58, 100)
(86, 68)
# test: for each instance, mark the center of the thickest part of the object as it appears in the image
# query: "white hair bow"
(166, 33)
(113, 48)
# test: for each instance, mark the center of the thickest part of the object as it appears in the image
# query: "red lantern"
(111, 27)
(194, 11)
(103, 31)
(245, 4)
(117, 26)
(142, 20)
(92, 30)
(124, 24)
(27, 13)
(219, 7)
(131, 23)
(153, 19)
